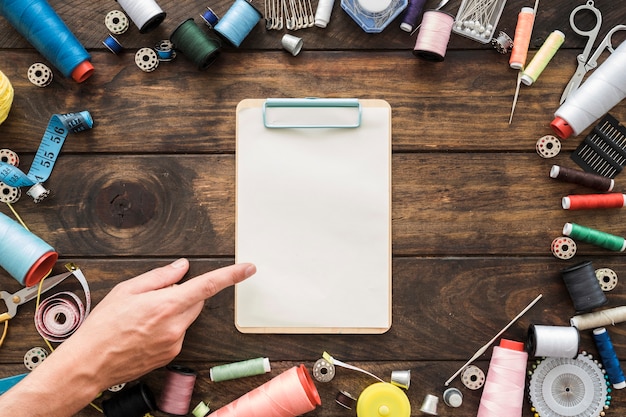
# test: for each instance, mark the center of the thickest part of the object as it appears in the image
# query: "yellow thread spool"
(6, 97)
(543, 56)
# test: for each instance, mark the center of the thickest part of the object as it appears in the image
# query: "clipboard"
(313, 213)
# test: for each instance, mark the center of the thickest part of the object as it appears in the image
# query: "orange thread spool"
(593, 201)
(521, 41)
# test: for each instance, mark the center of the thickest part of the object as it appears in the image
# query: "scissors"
(585, 62)
(26, 294)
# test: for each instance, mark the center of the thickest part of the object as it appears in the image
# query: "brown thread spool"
(597, 182)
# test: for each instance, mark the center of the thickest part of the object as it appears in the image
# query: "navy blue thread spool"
(195, 44)
(583, 287)
(609, 358)
(210, 18)
(112, 44)
(238, 22)
(135, 401)
(412, 14)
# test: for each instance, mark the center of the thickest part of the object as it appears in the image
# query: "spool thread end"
(40, 268)
(82, 71)
(561, 128)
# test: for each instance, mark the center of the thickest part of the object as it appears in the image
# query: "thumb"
(158, 278)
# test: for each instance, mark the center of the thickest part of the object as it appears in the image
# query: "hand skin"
(138, 327)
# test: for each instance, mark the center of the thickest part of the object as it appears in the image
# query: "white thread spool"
(433, 37)
(604, 88)
(145, 14)
(552, 341)
(323, 12)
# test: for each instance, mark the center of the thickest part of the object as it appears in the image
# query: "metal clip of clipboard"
(283, 113)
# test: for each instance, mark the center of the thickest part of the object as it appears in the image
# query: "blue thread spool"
(210, 18)
(609, 358)
(411, 14)
(26, 257)
(238, 22)
(112, 44)
(43, 28)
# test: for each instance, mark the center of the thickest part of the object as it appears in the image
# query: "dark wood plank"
(435, 106)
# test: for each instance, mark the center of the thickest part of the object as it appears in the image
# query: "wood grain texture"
(474, 211)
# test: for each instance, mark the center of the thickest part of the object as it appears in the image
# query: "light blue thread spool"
(241, 369)
(609, 358)
(238, 22)
(26, 257)
(44, 29)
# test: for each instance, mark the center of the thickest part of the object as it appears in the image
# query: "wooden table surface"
(474, 210)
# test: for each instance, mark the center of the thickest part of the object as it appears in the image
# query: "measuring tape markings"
(49, 148)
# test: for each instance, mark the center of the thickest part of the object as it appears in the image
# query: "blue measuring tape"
(49, 148)
(8, 383)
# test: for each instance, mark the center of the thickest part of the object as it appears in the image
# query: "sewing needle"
(483, 349)
(519, 81)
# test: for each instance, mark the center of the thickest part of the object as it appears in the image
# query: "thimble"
(453, 397)
(401, 378)
(429, 406)
(292, 44)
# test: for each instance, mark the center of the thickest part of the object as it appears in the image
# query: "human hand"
(139, 326)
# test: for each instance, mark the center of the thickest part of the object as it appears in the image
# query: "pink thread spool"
(176, 394)
(434, 35)
(503, 393)
(290, 394)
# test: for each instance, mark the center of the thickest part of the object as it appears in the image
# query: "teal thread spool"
(241, 369)
(595, 237)
(196, 45)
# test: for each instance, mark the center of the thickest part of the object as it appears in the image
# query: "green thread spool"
(241, 369)
(201, 410)
(595, 237)
(195, 44)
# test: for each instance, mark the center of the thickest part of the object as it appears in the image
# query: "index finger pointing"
(207, 285)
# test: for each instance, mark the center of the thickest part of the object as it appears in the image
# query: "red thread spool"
(176, 394)
(521, 41)
(593, 201)
(290, 394)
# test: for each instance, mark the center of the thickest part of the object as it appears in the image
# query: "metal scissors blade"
(583, 58)
(26, 294)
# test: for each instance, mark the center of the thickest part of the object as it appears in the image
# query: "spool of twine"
(289, 394)
(6, 97)
(43, 28)
(610, 316)
(503, 392)
(587, 179)
(196, 45)
(595, 237)
(26, 257)
(543, 56)
(434, 35)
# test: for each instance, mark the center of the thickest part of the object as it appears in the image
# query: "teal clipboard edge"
(311, 102)
(370, 330)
